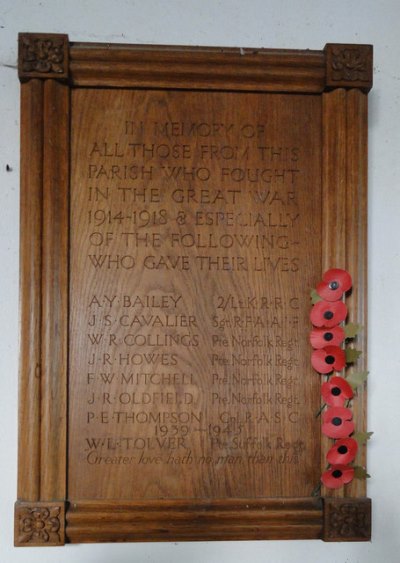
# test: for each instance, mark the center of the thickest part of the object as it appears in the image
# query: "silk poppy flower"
(328, 359)
(343, 451)
(334, 283)
(321, 337)
(326, 314)
(337, 422)
(336, 391)
(337, 476)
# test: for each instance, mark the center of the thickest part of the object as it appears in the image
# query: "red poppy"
(337, 475)
(334, 283)
(337, 422)
(336, 391)
(328, 314)
(343, 451)
(321, 337)
(328, 359)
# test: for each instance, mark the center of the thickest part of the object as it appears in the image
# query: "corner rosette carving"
(43, 56)
(349, 66)
(348, 519)
(39, 525)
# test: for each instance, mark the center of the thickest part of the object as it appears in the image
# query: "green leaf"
(357, 379)
(360, 472)
(352, 355)
(314, 297)
(351, 330)
(362, 437)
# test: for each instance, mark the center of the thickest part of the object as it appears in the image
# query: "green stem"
(316, 492)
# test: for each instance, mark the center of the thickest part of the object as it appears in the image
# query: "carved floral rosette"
(39, 524)
(43, 56)
(349, 66)
(347, 519)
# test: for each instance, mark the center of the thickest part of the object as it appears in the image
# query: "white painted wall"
(247, 23)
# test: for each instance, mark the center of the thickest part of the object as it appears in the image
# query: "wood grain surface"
(196, 228)
(177, 205)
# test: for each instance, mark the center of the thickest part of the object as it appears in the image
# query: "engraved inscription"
(191, 257)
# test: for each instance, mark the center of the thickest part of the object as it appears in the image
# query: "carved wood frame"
(49, 66)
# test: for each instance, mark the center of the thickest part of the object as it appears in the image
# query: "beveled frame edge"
(44, 279)
(344, 237)
(196, 520)
(44, 55)
(42, 434)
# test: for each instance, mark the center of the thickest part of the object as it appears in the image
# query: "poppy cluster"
(328, 356)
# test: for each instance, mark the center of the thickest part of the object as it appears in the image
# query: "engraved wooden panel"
(177, 205)
(196, 227)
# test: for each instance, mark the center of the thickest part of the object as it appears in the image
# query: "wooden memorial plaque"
(177, 206)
